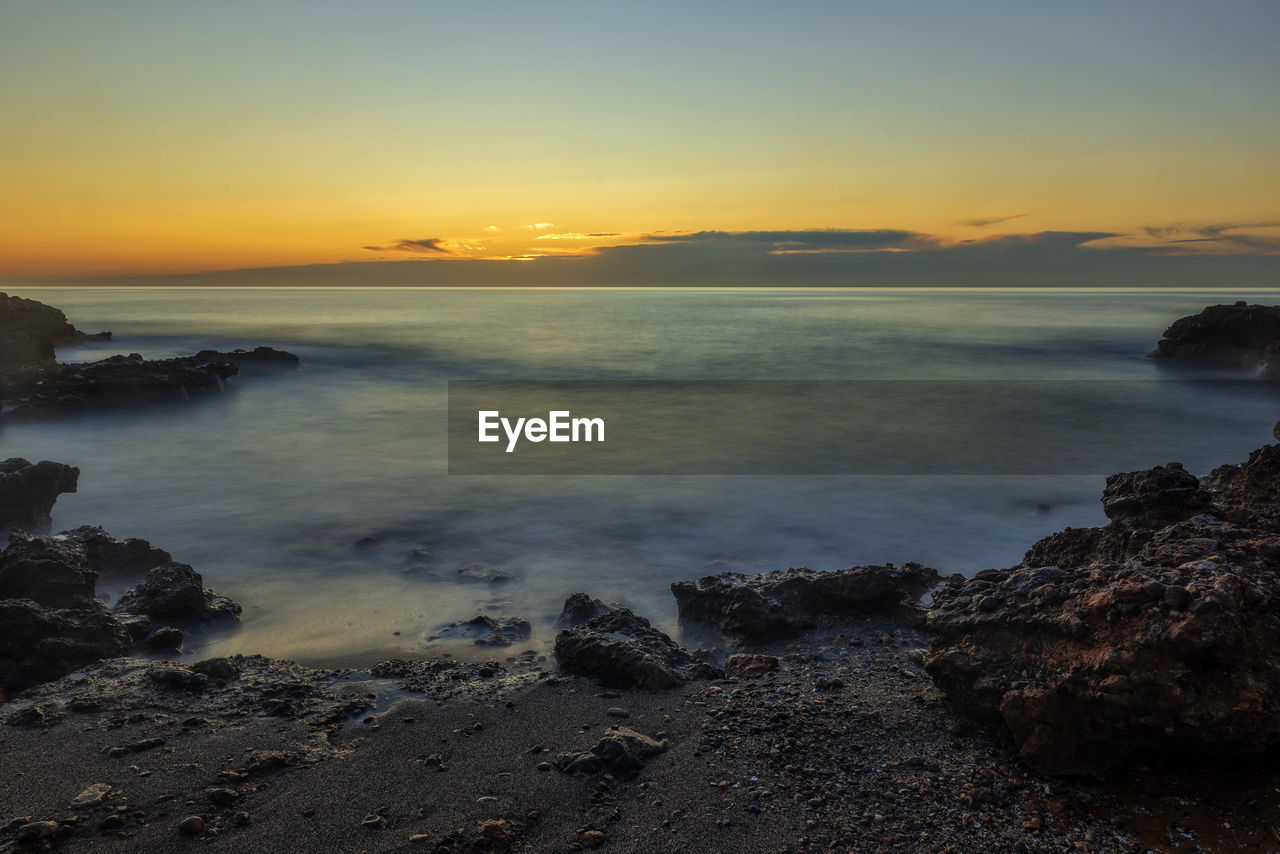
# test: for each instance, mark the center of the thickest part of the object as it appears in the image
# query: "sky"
(640, 143)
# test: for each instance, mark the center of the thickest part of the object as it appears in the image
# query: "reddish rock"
(749, 665)
(1159, 634)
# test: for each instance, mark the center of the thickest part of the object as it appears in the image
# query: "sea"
(323, 502)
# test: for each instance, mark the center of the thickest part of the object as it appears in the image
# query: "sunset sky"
(645, 142)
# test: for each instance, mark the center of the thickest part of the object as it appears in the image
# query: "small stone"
(593, 838)
(192, 825)
(240, 819)
(91, 795)
(420, 839)
(495, 829)
(373, 822)
(486, 799)
(224, 797)
(617, 712)
(32, 831)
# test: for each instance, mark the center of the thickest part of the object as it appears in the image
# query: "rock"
(593, 838)
(180, 678)
(38, 644)
(495, 829)
(28, 491)
(164, 639)
(90, 796)
(1230, 336)
(779, 604)
(111, 557)
(617, 712)
(622, 650)
(223, 797)
(748, 665)
(259, 360)
(30, 330)
(36, 830)
(487, 631)
(192, 825)
(484, 573)
(46, 576)
(1158, 635)
(578, 609)
(176, 591)
(621, 751)
(220, 670)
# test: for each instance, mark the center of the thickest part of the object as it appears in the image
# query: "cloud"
(492, 228)
(983, 222)
(573, 235)
(1228, 235)
(540, 226)
(427, 245)
(817, 257)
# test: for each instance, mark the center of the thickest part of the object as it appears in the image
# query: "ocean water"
(321, 500)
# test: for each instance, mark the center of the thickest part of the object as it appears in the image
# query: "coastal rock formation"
(578, 609)
(51, 621)
(30, 330)
(175, 591)
(623, 650)
(56, 389)
(28, 491)
(1158, 633)
(780, 604)
(484, 630)
(1231, 336)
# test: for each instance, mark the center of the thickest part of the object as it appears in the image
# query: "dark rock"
(748, 665)
(1157, 635)
(220, 670)
(259, 360)
(622, 752)
(38, 643)
(485, 573)
(192, 825)
(163, 639)
(176, 591)
(1230, 336)
(28, 491)
(487, 631)
(778, 604)
(181, 678)
(622, 650)
(30, 330)
(578, 609)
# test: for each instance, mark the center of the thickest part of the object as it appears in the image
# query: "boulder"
(1157, 635)
(28, 491)
(622, 752)
(484, 630)
(779, 604)
(259, 360)
(175, 591)
(1231, 336)
(30, 330)
(623, 650)
(38, 644)
(578, 609)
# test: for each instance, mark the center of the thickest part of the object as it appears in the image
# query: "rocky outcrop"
(780, 604)
(1231, 336)
(51, 621)
(623, 650)
(28, 491)
(578, 609)
(30, 330)
(484, 630)
(1157, 634)
(175, 591)
(57, 389)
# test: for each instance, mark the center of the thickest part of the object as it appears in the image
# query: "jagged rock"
(578, 609)
(778, 604)
(485, 573)
(1159, 634)
(622, 752)
(28, 491)
(164, 639)
(487, 631)
(38, 643)
(220, 670)
(259, 360)
(30, 330)
(622, 650)
(1232, 336)
(175, 591)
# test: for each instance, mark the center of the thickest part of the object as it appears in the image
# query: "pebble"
(91, 795)
(192, 825)
(240, 819)
(617, 712)
(593, 838)
(224, 797)
(34, 830)
(374, 822)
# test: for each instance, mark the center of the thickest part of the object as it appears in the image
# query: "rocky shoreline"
(1116, 691)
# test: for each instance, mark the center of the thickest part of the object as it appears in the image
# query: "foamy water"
(269, 490)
